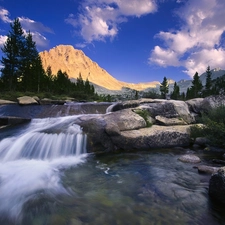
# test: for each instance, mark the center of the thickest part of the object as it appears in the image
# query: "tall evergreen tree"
(176, 91)
(31, 66)
(12, 49)
(62, 82)
(208, 85)
(196, 88)
(164, 87)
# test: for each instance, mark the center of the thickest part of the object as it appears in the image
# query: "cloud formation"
(100, 19)
(197, 43)
(36, 28)
(4, 15)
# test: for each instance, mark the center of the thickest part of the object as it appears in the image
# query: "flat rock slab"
(6, 102)
(189, 158)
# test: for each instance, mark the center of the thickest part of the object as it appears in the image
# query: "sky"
(133, 40)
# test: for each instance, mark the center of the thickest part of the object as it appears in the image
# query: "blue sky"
(134, 40)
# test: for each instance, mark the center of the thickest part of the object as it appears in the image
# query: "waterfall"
(31, 160)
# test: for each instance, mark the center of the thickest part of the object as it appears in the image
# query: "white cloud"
(80, 45)
(101, 18)
(163, 57)
(36, 28)
(32, 25)
(201, 33)
(2, 40)
(4, 15)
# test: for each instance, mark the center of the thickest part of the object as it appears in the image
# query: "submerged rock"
(189, 158)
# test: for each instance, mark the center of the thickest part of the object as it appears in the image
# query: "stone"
(153, 137)
(195, 105)
(189, 158)
(207, 169)
(217, 186)
(212, 102)
(27, 100)
(201, 141)
(125, 119)
(169, 121)
(6, 102)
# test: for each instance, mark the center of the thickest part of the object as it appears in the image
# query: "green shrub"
(145, 115)
(214, 126)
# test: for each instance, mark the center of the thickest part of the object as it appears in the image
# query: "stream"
(48, 178)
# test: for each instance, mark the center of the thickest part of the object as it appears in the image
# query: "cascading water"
(31, 161)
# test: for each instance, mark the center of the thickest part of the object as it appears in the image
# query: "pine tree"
(31, 65)
(164, 87)
(176, 91)
(208, 85)
(196, 88)
(49, 79)
(12, 61)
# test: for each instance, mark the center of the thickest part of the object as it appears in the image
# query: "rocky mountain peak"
(74, 61)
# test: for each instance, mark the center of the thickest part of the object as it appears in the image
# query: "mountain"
(73, 62)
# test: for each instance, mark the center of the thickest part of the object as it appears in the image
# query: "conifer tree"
(196, 88)
(176, 91)
(12, 61)
(208, 85)
(164, 87)
(31, 65)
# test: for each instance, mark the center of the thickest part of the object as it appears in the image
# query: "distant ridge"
(74, 61)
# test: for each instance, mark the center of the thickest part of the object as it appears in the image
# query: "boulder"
(207, 169)
(153, 137)
(217, 185)
(212, 102)
(95, 128)
(195, 105)
(125, 119)
(27, 100)
(189, 158)
(169, 109)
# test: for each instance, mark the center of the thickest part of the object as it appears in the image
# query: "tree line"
(22, 70)
(197, 89)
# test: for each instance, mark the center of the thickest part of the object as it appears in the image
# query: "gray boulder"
(153, 137)
(212, 102)
(195, 105)
(217, 185)
(125, 119)
(189, 158)
(27, 100)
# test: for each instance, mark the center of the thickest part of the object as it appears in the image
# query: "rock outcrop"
(126, 127)
(73, 62)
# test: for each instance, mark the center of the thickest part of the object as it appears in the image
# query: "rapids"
(31, 159)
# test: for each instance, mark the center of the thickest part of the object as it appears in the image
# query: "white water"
(31, 161)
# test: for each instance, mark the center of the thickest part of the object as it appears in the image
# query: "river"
(48, 178)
